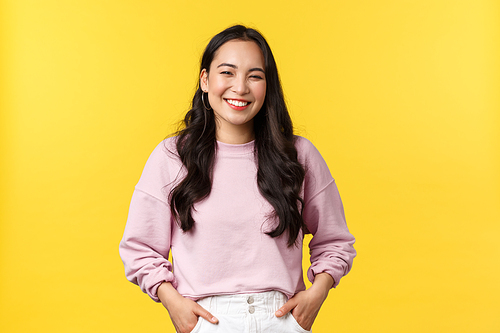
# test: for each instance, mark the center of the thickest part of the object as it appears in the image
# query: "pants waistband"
(264, 302)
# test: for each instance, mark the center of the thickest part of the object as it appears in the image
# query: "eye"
(226, 73)
(258, 77)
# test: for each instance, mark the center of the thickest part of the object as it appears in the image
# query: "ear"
(204, 80)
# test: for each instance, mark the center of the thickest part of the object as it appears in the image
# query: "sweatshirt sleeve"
(331, 246)
(146, 241)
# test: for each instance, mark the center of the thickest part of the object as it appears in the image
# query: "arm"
(146, 240)
(183, 312)
(305, 305)
(331, 247)
(145, 245)
(331, 255)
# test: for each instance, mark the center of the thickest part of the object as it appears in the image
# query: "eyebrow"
(224, 64)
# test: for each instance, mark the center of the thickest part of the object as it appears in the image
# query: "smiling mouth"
(237, 103)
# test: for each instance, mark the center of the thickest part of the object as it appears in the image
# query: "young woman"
(232, 196)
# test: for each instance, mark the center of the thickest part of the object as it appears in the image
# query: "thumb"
(287, 307)
(200, 311)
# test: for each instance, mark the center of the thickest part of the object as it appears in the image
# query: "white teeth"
(236, 103)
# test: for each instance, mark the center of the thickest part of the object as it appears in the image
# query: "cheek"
(216, 87)
(260, 92)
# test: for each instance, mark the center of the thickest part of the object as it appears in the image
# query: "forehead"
(240, 53)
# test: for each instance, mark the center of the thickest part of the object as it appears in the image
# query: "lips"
(238, 103)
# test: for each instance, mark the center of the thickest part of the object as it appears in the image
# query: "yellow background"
(401, 98)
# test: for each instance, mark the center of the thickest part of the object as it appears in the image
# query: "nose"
(240, 86)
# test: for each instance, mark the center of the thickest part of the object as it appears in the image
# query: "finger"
(287, 307)
(200, 311)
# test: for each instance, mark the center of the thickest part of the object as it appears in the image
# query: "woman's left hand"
(305, 305)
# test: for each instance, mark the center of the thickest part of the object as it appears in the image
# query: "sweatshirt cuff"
(154, 281)
(316, 269)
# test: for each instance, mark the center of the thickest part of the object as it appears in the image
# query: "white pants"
(247, 313)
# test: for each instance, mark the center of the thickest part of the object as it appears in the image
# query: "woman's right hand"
(183, 312)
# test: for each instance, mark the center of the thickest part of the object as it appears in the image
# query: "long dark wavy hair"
(279, 176)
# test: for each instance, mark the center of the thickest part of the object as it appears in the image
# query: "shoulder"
(164, 151)
(307, 153)
(169, 145)
(302, 143)
(161, 167)
(318, 174)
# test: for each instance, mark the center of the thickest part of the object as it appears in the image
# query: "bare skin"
(304, 306)
(183, 312)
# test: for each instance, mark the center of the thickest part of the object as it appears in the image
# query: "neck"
(234, 137)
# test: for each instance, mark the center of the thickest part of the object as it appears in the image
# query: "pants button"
(250, 300)
(251, 309)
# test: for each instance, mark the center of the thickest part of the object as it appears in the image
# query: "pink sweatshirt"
(227, 251)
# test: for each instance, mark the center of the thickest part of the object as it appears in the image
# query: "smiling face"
(236, 87)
